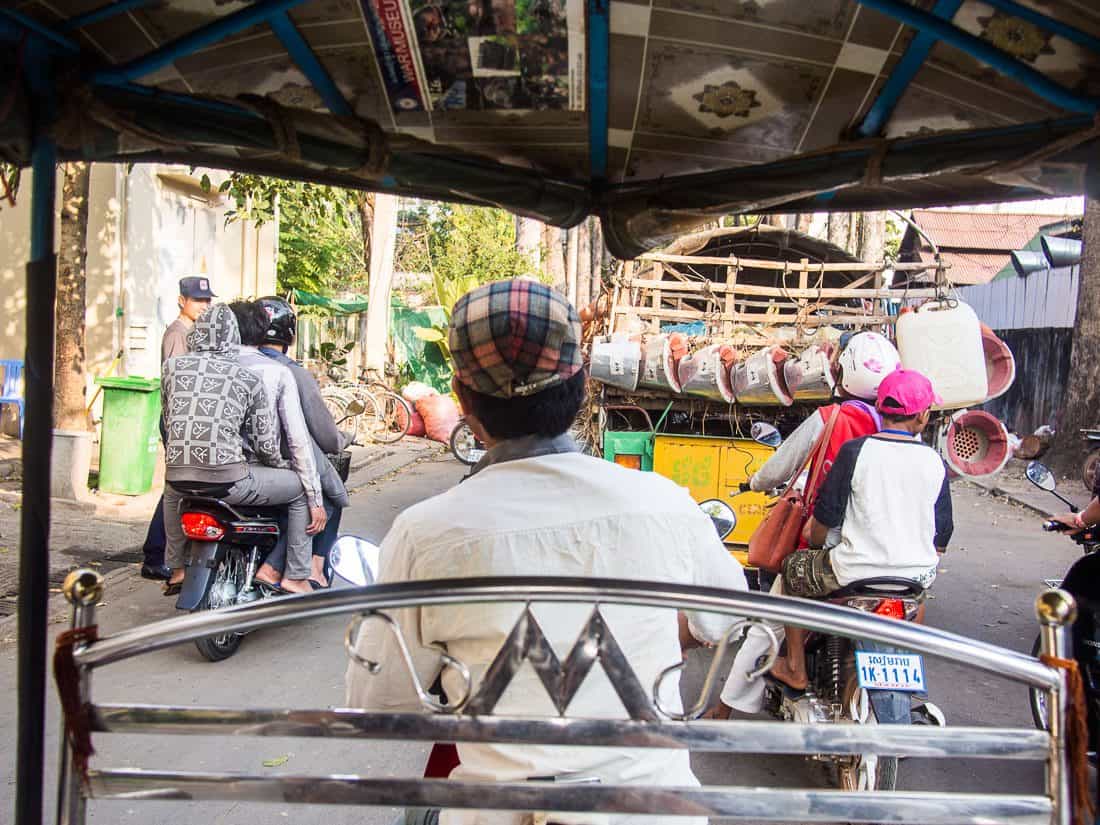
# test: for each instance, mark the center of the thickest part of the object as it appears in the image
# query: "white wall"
(146, 229)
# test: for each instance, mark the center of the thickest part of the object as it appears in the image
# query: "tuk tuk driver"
(535, 505)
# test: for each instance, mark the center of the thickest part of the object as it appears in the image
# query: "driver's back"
(559, 515)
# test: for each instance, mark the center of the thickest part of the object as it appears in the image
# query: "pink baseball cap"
(906, 392)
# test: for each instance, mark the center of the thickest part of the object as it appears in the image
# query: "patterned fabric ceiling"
(709, 106)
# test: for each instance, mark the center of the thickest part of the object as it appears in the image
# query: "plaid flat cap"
(515, 337)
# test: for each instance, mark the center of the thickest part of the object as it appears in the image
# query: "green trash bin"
(130, 435)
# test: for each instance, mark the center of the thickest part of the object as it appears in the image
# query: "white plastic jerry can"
(943, 340)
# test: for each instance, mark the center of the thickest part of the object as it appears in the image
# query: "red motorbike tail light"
(891, 609)
(201, 527)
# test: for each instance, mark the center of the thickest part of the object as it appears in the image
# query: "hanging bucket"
(809, 378)
(974, 443)
(1000, 365)
(658, 367)
(706, 373)
(616, 363)
(759, 380)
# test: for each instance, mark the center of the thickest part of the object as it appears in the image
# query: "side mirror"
(721, 516)
(355, 560)
(766, 434)
(1040, 475)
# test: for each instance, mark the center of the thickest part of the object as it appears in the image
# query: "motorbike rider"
(536, 503)
(889, 495)
(294, 441)
(866, 359)
(282, 328)
(1089, 517)
(211, 404)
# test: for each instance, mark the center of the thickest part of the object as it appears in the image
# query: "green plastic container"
(130, 435)
(629, 449)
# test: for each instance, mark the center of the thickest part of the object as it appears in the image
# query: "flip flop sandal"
(316, 585)
(271, 588)
(173, 589)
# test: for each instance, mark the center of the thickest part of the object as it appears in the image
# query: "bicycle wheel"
(392, 418)
(336, 402)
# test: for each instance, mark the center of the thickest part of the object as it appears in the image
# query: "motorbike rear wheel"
(863, 773)
(463, 442)
(219, 648)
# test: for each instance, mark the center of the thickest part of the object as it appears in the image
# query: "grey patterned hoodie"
(211, 403)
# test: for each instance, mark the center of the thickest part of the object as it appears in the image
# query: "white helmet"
(868, 358)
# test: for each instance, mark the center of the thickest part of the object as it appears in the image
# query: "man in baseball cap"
(193, 300)
(536, 506)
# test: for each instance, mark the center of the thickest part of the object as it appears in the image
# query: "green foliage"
(335, 355)
(321, 248)
(895, 230)
(10, 177)
(435, 335)
(480, 247)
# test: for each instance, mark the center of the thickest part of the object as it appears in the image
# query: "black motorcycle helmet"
(282, 325)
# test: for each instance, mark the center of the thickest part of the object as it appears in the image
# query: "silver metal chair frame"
(471, 719)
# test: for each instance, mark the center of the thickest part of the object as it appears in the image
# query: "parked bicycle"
(386, 416)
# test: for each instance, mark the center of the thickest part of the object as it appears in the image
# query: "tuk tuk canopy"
(654, 117)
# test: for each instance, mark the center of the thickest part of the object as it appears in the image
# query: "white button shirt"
(563, 514)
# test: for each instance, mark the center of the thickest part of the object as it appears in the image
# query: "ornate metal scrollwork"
(737, 631)
(426, 699)
(527, 642)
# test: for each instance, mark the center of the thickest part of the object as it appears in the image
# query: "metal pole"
(1056, 612)
(83, 589)
(34, 567)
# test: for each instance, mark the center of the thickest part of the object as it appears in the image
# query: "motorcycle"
(228, 543)
(856, 682)
(1079, 581)
(851, 681)
(465, 446)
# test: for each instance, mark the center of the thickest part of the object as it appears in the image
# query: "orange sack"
(440, 414)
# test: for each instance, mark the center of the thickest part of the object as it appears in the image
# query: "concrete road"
(986, 588)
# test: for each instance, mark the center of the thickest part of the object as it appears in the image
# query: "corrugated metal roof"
(951, 229)
(967, 268)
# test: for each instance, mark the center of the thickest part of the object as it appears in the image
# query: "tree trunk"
(872, 248)
(384, 229)
(364, 204)
(69, 377)
(529, 241)
(840, 227)
(803, 222)
(1081, 405)
(553, 265)
(584, 262)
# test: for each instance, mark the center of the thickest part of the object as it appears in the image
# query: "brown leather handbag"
(779, 533)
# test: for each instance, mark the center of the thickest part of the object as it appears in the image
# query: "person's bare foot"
(782, 671)
(296, 585)
(267, 575)
(177, 576)
(719, 711)
(317, 571)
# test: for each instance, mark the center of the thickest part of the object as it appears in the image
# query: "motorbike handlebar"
(1052, 526)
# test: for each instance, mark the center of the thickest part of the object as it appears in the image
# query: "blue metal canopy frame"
(906, 69)
(599, 56)
(934, 26)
